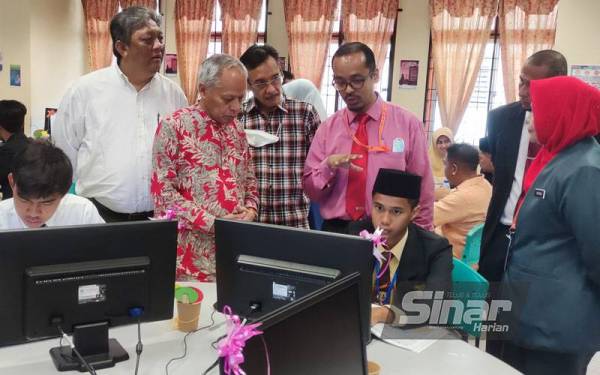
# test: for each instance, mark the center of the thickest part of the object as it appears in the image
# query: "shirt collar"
(470, 182)
(124, 78)
(374, 112)
(252, 106)
(398, 248)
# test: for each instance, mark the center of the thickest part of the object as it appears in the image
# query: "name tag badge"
(540, 193)
(398, 145)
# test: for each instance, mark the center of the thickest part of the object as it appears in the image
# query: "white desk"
(162, 342)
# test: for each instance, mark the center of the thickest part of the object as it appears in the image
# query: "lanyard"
(390, 288)
(382, 147)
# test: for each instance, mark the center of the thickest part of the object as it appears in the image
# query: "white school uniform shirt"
(72, 210)
(106, 127)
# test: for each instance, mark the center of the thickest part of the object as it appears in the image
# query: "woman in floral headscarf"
(553, 269)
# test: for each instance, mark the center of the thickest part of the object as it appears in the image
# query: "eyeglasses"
(356, 83)
(260, 85)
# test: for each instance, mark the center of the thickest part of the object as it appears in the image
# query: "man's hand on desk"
(381, 314)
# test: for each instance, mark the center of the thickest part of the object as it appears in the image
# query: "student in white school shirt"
(40, 179)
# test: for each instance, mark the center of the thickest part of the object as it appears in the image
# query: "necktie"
(384, 281)
(357, 180)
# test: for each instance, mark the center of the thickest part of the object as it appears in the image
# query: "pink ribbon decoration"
(170, 214)
(231, 348)
(377, 238)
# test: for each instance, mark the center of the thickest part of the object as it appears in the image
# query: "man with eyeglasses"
(279, 130)
(106, 121)
(355, 142)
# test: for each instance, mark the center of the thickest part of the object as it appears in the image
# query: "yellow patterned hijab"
(436, 159)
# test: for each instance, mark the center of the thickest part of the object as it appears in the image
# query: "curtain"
(459, 33)
(526, 26)
(151, 4)
(193, 20)
(309, 24)
(98, 14)
(371, 22)
(240, 24)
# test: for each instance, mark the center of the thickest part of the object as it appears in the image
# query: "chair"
(72, 189)
(473, 245)
(468, 285)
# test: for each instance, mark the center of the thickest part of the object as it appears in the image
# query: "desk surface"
(162, 342)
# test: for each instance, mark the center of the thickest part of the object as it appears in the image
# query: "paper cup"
(188, 314)
(373, 368)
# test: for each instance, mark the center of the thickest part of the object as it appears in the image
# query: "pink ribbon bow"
(170, 214)
(377, 238)
(231, 348)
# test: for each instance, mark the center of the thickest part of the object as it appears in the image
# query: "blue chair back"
(473, 245)
(468, 286)
(72, 189)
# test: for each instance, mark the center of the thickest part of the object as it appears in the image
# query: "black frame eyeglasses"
(356, 83)
(276, 80)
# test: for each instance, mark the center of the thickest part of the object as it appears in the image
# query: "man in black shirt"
(12, 116)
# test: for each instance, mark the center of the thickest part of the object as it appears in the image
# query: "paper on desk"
(414, 339)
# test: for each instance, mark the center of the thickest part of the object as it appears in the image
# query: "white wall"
(14, 46)
(412, 43)
(577, 31)
(276, 31)
(58, 53)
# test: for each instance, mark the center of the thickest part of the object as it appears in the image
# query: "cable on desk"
(87, 366)
(212, 322)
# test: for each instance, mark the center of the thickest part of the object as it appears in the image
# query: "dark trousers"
(491, 266)
(111, 216)
(542, 362)
(493, 256)
(336, 226)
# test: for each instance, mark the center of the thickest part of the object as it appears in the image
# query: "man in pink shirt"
(354, 143)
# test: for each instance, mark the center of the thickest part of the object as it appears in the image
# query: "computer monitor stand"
(92, 342)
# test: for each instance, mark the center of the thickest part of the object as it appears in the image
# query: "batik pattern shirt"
(202, 170)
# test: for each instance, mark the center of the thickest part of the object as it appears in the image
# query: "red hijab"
(565, 111)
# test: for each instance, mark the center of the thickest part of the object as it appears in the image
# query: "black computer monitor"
(262, 267)
(85, 279)
(319, 334)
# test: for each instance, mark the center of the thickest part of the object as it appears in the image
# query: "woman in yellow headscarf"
(440, 141)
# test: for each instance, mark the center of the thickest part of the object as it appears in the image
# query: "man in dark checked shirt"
(279, 131)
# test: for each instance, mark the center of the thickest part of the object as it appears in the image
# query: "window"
(214, 46)
(487, 94)
(331, 98)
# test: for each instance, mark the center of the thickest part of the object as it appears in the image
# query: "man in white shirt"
(40, 180)
(107, 119)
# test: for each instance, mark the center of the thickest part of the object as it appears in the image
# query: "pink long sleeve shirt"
(402, 134)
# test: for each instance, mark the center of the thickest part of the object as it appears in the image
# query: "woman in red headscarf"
(553, 270)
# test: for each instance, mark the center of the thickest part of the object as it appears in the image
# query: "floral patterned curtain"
(309, 26)
(526, 26)
(98, 14)
(240, 24)
(371, 22)
(193, 19)
(459, 33)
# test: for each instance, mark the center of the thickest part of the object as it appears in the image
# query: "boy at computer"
(40, 179)
(414, 258)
